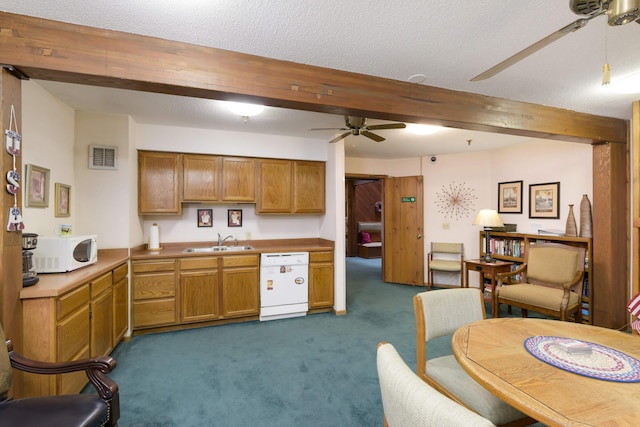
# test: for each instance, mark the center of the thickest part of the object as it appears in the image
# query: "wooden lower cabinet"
(154, 293)
(209, 289)
(76, 325)
(240, 286)
(321, 293)
(199, 290)
(120, 302)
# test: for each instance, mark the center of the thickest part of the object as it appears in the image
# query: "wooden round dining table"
(493, 352)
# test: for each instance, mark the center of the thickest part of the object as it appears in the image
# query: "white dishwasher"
(284, 288)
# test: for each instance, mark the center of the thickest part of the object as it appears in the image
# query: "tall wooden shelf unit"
(509, 246)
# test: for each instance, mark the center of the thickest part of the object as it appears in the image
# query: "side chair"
(440, 313)
(445, 257)
(408, 401)
(86, 410)
(550, 282)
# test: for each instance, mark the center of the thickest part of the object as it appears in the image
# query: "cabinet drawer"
(154, 313)
(149, 286)
(73, 334)
(240, 260)
(120, 272)
(320, 256)
(72, 300)
(101, 284)
(153, 266)
(198, 263)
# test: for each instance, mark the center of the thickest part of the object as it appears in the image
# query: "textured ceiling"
(448, 41)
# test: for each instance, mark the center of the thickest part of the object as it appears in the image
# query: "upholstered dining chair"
(86, 410)
(550, 282)
(440, 313)
(408, 401)
(445, 257)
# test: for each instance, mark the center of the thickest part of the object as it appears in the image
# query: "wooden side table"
(489, 269)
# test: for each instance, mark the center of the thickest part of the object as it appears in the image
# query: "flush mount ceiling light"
(245, 110)
(423, 129)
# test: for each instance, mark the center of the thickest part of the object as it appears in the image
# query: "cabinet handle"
(419, 236)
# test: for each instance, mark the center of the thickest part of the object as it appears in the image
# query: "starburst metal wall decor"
(455, 200)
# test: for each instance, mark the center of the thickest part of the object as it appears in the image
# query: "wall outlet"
(446, 226)
(247, 235)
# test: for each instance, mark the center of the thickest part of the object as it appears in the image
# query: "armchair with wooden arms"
(550, 282)
(102, 409)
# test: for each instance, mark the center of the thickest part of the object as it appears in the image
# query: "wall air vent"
(103, 157)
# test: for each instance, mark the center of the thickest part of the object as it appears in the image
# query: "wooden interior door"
(403, 245)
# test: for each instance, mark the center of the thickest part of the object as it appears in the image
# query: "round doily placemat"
(603, 363)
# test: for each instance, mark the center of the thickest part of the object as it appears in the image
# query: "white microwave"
(61, 254)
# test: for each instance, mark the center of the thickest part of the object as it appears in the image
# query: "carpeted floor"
(317, 370)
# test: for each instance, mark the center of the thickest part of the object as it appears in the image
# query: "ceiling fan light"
(418, 129)
(627, 84)
(245, 110)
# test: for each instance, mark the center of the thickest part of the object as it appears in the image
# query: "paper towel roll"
(154, 237)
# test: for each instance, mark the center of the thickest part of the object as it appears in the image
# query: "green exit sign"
(408, 200)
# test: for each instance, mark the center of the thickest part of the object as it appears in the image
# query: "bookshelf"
(510, 246)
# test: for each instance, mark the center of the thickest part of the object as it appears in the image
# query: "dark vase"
(586, 221)
(571, 229)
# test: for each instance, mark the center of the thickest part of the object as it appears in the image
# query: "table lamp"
(488, 218)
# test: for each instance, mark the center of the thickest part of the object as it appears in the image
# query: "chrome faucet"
(221, 240)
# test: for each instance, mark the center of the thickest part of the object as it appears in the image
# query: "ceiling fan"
(358, 126)
(620, 12)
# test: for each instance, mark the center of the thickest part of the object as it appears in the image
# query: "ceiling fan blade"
(328, 129)
(535, 47)
(376, 138)
(387, 126)
(338, 138)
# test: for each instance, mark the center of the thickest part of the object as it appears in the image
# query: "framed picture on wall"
(510, 197)
(235, 218)
(544, 200)
(63, 200)
(37, 186)
(205, 217)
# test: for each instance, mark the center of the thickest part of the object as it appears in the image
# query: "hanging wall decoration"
(13, 140)
(455, 200)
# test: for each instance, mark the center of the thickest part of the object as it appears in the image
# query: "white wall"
(47, 141)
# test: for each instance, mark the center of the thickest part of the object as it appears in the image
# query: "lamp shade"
(488, 218)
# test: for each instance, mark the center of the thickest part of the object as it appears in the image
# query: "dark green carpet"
(317, 370)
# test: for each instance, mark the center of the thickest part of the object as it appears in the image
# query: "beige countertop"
(54, 284)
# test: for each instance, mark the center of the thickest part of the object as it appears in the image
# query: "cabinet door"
(275, 192)
(159, 183)
(200, 178)
(120, 310)
(102, 324)
(240, 292)
(238, 179)
(309, 187)
(320, 280)
(199, 295)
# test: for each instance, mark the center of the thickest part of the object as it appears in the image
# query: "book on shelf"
(573, 346)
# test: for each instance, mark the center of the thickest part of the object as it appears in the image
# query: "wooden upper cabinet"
(238, 179)
(308, 187)
(159, 183)
(200, 178)
(275, 190)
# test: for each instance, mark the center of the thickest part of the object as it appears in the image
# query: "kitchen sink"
(219, 249)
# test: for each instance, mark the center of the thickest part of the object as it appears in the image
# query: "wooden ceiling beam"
(52, 50)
